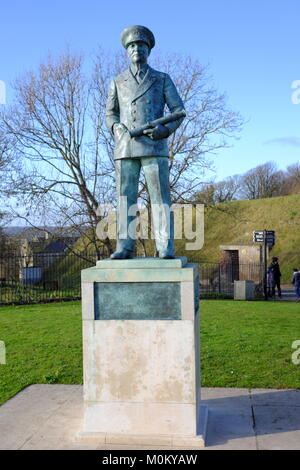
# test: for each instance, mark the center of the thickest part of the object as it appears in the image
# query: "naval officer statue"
(135, 116)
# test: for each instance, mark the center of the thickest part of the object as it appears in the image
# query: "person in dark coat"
(277, 275)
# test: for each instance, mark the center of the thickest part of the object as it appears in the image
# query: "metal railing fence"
(42, 277)
(47, 277)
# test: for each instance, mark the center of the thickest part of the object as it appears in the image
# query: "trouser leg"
(156, 171)
(270, 290)
(278, 287)
(127, 180)
(273, 290)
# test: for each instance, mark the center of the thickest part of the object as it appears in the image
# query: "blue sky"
(252, 48)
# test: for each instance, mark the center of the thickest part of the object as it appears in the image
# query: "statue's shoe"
(166, 255)
(124, 254)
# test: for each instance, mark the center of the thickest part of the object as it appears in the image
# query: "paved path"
(48, 417)
(287, 292)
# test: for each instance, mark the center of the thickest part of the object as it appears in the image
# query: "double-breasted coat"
(134, 104)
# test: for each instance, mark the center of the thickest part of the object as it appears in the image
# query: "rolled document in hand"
(163, 120)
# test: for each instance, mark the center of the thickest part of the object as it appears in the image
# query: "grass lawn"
(244, 344)
(248, 344)
(43, 345)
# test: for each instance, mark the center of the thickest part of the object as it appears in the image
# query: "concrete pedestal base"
(141, 353)
(171, 440)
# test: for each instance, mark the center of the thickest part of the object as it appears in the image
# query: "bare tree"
(263, 181)
(206, 195)
(291, 181)
(227, 189)
(55, 135)
(5, 161)
(58, 129)
(221, 191)
(7, 167)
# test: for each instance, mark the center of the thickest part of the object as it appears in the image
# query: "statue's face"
(138, 52)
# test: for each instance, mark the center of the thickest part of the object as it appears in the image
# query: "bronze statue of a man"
(135, 116)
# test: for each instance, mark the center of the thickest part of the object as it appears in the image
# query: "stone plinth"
(141, 353)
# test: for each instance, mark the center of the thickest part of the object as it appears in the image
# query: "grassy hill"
(234, 222)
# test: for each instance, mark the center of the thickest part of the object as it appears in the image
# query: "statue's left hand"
(158, 132)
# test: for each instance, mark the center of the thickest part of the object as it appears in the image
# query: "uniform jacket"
(134, 104)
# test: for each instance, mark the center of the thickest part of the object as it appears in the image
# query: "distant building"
(37, 250)
(242, 262)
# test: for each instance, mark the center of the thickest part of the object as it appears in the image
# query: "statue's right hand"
(119, 130)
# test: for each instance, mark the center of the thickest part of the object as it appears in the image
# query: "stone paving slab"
(277, 427)
(49, 416)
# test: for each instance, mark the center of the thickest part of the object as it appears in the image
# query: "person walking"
(296, 282)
